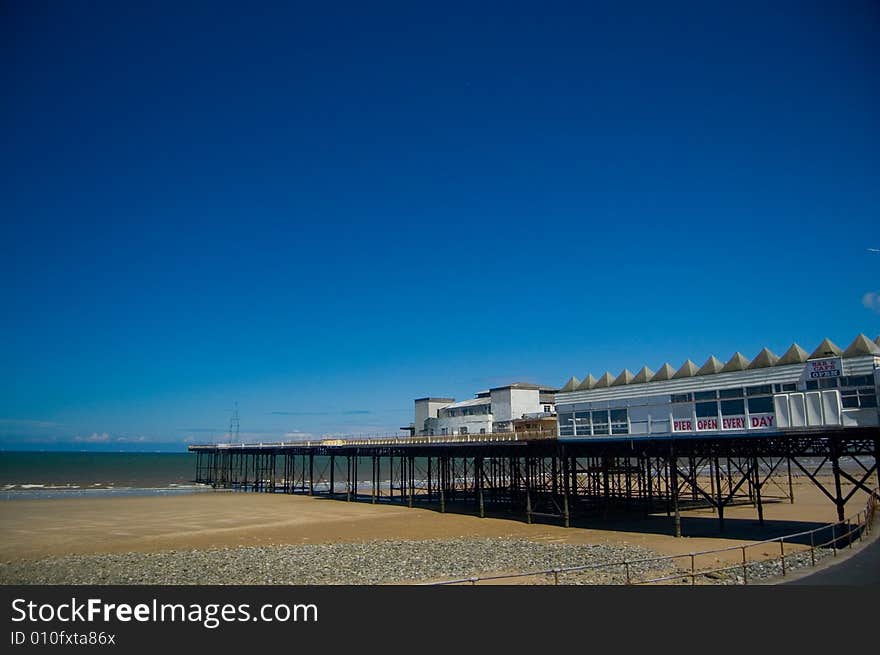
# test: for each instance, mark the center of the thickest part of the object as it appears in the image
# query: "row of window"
(478, 410)
(739, 392)
(595, 423)
(843, 381)
(461, 430)
(768, 389)
(857, 398)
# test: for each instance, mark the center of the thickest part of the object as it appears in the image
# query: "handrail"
(863, 524)
(490, 437)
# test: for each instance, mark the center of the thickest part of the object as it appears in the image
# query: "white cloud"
(296, 434)
(871, 300)
(94, 438)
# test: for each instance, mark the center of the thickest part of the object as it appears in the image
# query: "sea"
(27, 475)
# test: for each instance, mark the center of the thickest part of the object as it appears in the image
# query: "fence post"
(812, 549)
(782, 548)
(834, 539)
(693, 571)
(626, 565)
(745, 567)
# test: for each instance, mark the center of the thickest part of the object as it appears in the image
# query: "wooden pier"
(540, 477)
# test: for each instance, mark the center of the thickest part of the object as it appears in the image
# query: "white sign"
(682, 425)
(762, 421)
(733, 423)
(823, 368)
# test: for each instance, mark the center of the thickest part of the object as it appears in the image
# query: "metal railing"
(842, 535)
(492, 437)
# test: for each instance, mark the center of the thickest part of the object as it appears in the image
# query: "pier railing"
(492, 437)
(833, 537)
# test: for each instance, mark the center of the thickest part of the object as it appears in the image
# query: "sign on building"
(823, 368)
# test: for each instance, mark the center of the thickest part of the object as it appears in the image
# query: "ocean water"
(67, 474)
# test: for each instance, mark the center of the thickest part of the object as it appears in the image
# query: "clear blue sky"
(326, 210)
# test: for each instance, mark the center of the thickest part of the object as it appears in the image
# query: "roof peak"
(861, 345)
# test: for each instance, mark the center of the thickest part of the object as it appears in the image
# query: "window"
(762, 390)
(828, 383)
(462, 430)
(733, 407)
(600, 421)
(857, 381)
(707, 410)
(682, 397)
(443, 431)
(761, 405)
(482, 430)
(705, 395)
(857, 398)
(788, 386)
(547, 408)
(619, 423)
(812, 385)
(730, 393)
(566, 425)
(582, 423)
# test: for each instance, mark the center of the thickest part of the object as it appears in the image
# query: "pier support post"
(838, 493)
(332, 475)
(673, 490)
(441, 482)
(565, 515)
(757, 487)
(478, 482)
(720, 501)
(410, 465)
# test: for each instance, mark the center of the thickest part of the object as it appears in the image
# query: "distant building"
(489, 411)
(800, 390)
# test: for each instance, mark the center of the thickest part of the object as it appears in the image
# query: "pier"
(539, 477)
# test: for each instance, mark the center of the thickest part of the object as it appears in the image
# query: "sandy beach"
(50, 529)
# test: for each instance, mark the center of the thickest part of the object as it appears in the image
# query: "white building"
(488, 411)
(830, 387)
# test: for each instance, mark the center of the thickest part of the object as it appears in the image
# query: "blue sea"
(69, 474)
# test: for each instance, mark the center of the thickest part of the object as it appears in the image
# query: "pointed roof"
(826, 349)
(712, 365)
(625, 377)
(877, 340)
(861, 345)
(736, 363)
(687, 370)
(571, 385)
(588, 383)
(794, 355)
(764, 359)
(644, 375)
(605, 381)
(665, 372)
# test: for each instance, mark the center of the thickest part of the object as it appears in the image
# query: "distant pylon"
(233, 425)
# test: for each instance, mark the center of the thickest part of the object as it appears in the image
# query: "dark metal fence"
(833, 537)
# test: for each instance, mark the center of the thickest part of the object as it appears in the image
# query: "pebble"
(372, 563)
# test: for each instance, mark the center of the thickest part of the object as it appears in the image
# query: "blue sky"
(324, 211)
